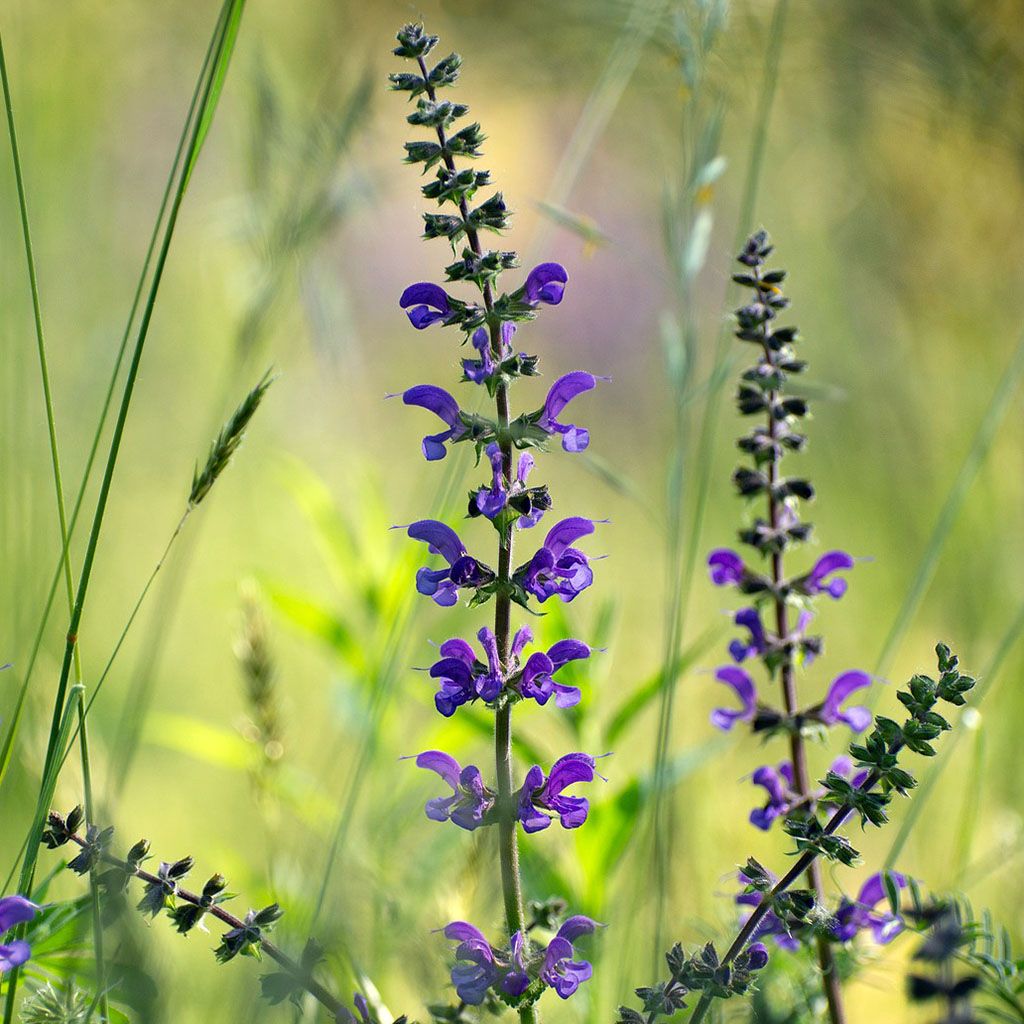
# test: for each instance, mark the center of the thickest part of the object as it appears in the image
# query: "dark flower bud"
(429, 114)
(214, 887)
(138, 853)
(268, 915)
(404, 81)
(445, 72)
(413, 42)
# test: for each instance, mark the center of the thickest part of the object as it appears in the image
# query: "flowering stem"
(807, 861)
(330, 1002)
(508, 843)
(798, 752)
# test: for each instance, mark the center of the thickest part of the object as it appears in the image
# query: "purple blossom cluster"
(502, 671)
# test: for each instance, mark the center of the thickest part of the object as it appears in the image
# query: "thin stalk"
(508, 841)
(53, 752)
(798, 752)
(58, 485)
(326, 999)
(8, 746)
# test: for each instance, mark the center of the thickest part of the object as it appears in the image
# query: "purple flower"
(558, 568)
(726, 567)
(749, 619)
(439, 402)
(817, 580)
(559, 970)
(778, 783)
(743, 686)
(541, 798)
(471, 802)
(831, 710)
(782, 798)
(480, 370)
(771, 924)
(858, 915)
(480, 966)
(545, 283)
(561, 393)
(533, 502)
(536, 681)
(463, 570)
(463, 677)
(14, 910)
(425, 304)
(348, 1017)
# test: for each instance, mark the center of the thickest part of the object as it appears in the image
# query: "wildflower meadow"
(511, 511)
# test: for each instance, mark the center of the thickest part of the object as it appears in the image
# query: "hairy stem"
(508, 840)
(798, 752)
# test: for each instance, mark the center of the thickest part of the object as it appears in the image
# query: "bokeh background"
(893, 145)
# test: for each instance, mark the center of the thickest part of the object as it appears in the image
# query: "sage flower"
(858, 915)
(557, 567)
(545, 283)
(463, 570)
(822, 579)
(559, 971)
(542, 798)
(743, 686)
(463, 677)
(831, 711)
(426, 304)
(441, 403)
(480, 967)
(536, 681)
(561, 393)
(14, 910)
(471, 802)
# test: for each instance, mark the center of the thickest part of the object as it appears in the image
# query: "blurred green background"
(892, 186)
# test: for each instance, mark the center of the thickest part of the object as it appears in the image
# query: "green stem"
(54, 751)
(59, 494)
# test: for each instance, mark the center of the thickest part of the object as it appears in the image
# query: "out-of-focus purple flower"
(561, 393)
(346, 1016)
(545, 283)
(425, 304)
(471, 802)
(480, 370)
(557, 567)
(743, 686)
(771, 924)
(817, 581)
(858, 915)
(782, 797)
(536, 681)
(463, 570)
(439, 402)
(14, 910)
(831, 710)
(757, 956)
(559, 970)
(726, 567)
(778, 783)
(749, 619)
(539, 799)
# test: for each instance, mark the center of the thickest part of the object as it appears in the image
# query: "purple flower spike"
(779, 785)
(743, 686)
(545, 283)
(858, 915)
(439, 402)
(539, 795)
(471, 802)
(463, 570)
(726, 567)
(558, 568)
(425, 304)
(537, 682)
(832, 712)
(14, 910)
(562, 392)
(817, 580)
(559, 970)
(749, 619)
